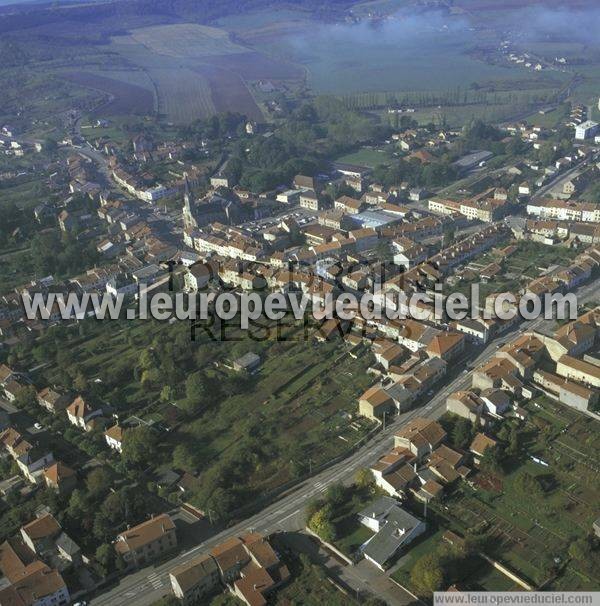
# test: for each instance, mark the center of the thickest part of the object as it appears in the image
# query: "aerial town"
(322, 460)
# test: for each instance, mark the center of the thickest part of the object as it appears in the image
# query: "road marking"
(155, 580)
(289, 516)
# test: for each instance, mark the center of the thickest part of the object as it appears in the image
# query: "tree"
(195, 386)
(491, 461)
(49, 145)
(335, 494)
(78, 508)
(364, 479)
(150, 377)
(98, 482)
(462, 433)
(105, 558)
(139, 446)
(167, 393)
(427, 575)
(514, 442)
(320, 523)
(26, 398)
(186, 458)
(312, 507)
(528, 484)
(147, 359)
(80, 383)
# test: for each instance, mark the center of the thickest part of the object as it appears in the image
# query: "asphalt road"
(145, 586)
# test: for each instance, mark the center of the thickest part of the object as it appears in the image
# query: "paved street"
(146, 586)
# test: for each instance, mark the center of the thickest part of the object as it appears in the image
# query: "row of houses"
(247, 566)
(522, 368)
(487, 210)
(33, 562)
(564, 210)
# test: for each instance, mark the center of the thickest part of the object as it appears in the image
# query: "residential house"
(416, 335)
(479, 445)
(568, 392)
(7, 373)
(578, 370)
(498, 373)
(375, 403)
(446, 345)
(477, 329)
(45, 537)
(389, 354)
(394, 472)
(466, 404)
(447, 464)
(27, 580)
(348, 205)
(310, 200)
(230, 557)
(496, 401)
(195, 579)
(60, 477)
(262, 574)
(394, 529)
(52, 400)
(12, 388)
(80, 413)
(32, 459)
(114, 438)
(420, 436)
(411, 257)
(147, 541)
(197, 276)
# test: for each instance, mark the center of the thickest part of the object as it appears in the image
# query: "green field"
(184, 40)
(369, 157)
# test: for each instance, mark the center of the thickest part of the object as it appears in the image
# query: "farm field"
(183, 94)
(186, 40)
(188, 86)
(454, 117)
(551, 119)
(343, 58)
(125, 97)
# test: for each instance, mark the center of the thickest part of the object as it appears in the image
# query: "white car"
(37, 426)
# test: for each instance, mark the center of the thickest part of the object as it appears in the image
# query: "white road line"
(289, 515)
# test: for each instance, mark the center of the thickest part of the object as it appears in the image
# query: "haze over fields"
(167, 62)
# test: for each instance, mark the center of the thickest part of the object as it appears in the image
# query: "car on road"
(38, 426)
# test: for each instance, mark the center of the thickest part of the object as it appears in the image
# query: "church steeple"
(188, 214)
(187, 194)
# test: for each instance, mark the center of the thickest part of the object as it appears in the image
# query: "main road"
(145, 586)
